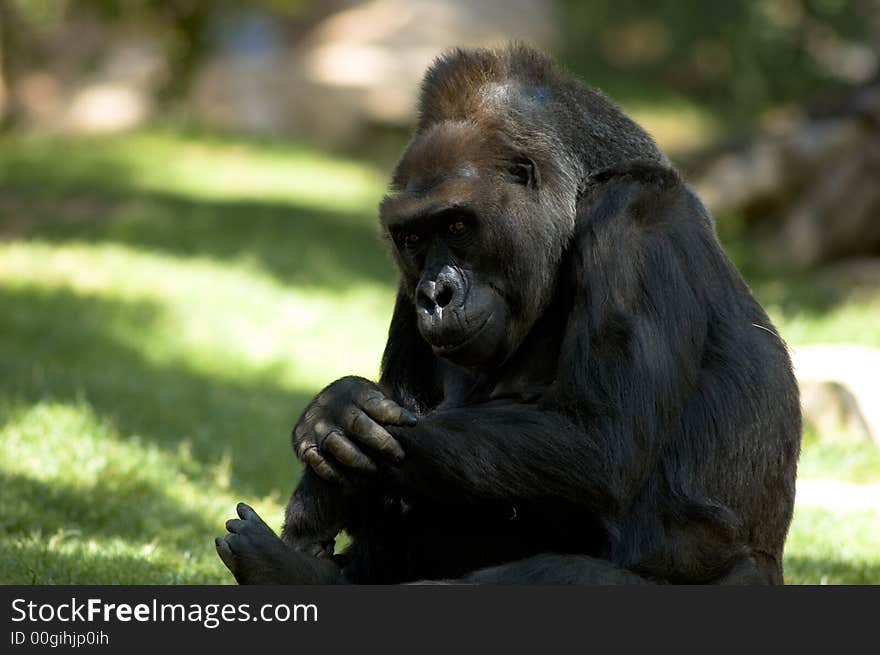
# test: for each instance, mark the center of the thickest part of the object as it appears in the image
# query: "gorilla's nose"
(437, 294)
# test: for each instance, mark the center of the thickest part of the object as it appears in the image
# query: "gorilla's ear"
(646, 171)
(641, 191)
(524, 171)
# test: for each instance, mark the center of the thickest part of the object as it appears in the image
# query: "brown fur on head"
(535, 106)
(448, 149)
(460, 84)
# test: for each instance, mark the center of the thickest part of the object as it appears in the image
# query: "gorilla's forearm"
(503, 451)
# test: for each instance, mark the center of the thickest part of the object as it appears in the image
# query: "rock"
(811, 183)
(839, 391)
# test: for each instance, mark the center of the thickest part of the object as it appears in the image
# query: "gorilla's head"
(483, 200)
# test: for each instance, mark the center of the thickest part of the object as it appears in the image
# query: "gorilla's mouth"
(444, 350)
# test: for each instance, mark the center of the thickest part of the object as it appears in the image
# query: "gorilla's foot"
(255, 555)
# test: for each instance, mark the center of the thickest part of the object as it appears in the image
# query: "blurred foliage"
(736, 59)
(182, 25)
(733, 60)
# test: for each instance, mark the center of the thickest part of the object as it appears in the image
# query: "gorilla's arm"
(502, 451)
(409, 369)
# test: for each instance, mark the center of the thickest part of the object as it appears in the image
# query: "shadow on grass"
(298, 245)
(125, 508)
(301, 246)
(60, 346)
(808, 570)
(90, 191)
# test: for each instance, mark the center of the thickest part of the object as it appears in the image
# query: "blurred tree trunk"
(188, 22)
(7, 49)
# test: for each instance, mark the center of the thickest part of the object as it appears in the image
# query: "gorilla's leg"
(314, 516)
(554, 570)
(551, 569)
(255, 555)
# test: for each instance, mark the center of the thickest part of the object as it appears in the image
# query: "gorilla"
(577, 387)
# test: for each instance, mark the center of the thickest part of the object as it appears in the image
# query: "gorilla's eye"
(410, 239)
(457, 228)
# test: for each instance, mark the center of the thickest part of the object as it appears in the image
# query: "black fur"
(632, 417)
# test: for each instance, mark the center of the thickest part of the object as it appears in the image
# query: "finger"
(385, 410)
(225, 553)
(321, 466)
(331, 439)
(304, 446)
(347, 453)
(246, 512)
(299, 437)
(372, 435)
(234, 525)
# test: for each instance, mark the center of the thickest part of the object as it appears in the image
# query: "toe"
(225, 553)
(236, 543)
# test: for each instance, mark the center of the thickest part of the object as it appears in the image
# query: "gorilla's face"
(459, 299)
(460, 223)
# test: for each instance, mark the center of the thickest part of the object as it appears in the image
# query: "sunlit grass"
(161, 329)
(212, 362)
(844, 458)
(231, 322)
(168, 305)
(821, 306)
(852, 322)
(84, 503)
(833, 547)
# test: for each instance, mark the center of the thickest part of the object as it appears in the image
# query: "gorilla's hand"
(350, 411)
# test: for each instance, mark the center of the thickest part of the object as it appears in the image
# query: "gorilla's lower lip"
(449, 349)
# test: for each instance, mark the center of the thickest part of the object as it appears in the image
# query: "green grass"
(846, 459)
(168, 305)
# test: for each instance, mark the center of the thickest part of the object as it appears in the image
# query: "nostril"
(444, 295)
(426, 295)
